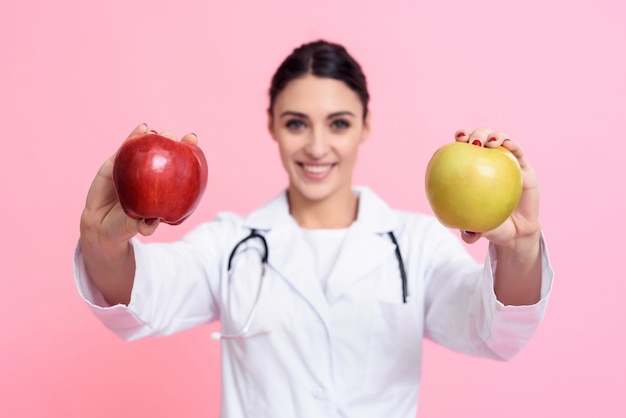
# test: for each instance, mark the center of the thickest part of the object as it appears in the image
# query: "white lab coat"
(354, 351)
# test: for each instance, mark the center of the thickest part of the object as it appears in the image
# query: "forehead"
(312, 95)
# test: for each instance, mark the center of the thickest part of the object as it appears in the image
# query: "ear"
(270, 124)
(367, 126)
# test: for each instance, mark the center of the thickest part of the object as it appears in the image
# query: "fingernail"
(493, 138)
(152, 131)
(460, 134)
(150, 221)
(194, 134)
(469, 233)
(477, 143)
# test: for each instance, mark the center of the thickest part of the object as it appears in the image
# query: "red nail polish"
(477, 143)
(460, 134)
(152, 131)
(493, 138)
(469, 233)
(150, 221)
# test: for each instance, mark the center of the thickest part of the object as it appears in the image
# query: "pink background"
(76, 77)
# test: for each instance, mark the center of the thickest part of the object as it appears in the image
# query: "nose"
(317, 145)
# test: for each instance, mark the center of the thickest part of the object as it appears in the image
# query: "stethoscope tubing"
(244, 332)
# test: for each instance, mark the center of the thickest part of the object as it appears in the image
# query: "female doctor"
(325, 293)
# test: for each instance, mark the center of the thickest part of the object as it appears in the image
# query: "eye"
(340, 124)
(294, 124)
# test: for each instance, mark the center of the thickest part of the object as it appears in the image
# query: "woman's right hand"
(103, 222)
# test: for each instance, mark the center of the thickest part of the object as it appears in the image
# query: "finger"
(470, 237)
(461, 135)
(168, 134)
(517, 151)
(106, 169)
(479, 136)
(101, 191)
(496, 139)
(130, 226)
(140, 129)
(148, 226)
(193, 138)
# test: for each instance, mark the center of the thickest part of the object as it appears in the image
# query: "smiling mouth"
(316, 169)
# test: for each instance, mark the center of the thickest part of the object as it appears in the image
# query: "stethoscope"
(245, 330)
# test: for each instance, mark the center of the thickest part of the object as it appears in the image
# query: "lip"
(316, 176)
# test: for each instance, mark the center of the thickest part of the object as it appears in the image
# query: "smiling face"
(318, 125)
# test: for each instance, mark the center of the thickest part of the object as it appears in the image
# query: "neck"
(334, 212)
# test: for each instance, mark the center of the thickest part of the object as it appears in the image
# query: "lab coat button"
(319, 392)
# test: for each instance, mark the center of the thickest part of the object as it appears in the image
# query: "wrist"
(107, 253)
(96, 246)
(521, 246)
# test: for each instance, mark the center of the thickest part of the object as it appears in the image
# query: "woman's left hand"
(523, 224)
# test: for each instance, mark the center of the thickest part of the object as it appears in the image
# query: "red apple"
(473, 188)
(157, 177)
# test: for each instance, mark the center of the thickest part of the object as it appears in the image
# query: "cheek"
(350, 150)
(291, 143)
(286, 152)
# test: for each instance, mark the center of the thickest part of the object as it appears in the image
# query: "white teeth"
(317, 169)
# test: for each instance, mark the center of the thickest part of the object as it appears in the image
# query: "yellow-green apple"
(473, 188)
(157, 177)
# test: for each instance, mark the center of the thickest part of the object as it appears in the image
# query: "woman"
(351, 287)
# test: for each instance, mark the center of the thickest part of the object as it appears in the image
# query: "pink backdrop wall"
(76, 77)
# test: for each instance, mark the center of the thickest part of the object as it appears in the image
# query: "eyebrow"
(304, 116)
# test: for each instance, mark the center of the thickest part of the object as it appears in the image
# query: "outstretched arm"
(105, 233)
(518, 240)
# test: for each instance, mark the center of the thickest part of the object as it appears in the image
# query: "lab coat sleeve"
(175, 284)
(462, 310)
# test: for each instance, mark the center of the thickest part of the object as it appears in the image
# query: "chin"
(317, 192)
(312, 195)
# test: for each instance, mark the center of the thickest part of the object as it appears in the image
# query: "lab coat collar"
(374, 215)
(288, 252)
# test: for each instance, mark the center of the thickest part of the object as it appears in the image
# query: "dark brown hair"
(322, 59)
